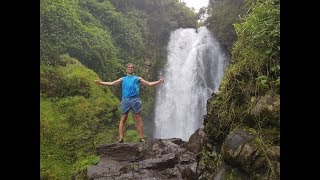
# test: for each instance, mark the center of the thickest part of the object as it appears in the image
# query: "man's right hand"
(97, 81)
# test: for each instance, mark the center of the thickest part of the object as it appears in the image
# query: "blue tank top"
(130, 86)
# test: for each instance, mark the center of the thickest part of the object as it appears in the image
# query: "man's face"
(130, 69)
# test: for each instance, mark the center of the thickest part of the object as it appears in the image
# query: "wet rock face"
(196, 141)
(123, 151)
(266, 103)
(155, 159)
(240, 149)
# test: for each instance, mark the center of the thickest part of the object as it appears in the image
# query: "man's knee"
(136, 116)
(124, 116)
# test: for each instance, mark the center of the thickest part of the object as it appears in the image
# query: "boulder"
(196, 141)
(154, 159)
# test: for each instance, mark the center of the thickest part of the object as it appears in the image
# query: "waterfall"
(193, 72)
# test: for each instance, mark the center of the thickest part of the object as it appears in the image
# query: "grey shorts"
(131, 103)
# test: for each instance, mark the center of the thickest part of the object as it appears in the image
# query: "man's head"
(130, 68)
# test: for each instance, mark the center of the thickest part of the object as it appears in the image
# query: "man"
(130, 98)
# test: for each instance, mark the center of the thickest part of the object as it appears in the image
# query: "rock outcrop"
(154, 159)
(241, 157)
(245, 151)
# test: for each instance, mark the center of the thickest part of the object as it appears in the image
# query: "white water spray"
(193, 72)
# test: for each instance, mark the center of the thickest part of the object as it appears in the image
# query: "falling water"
(193, 72)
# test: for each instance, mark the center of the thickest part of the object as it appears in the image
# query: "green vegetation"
(222, 15)
(65, 28)
(76, 116)
(251, 80)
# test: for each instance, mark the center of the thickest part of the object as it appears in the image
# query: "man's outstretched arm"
(116, 82)
(146, 83)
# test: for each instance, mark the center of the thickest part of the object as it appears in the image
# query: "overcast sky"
(196, 4)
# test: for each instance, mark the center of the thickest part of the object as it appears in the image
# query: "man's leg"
(139, 124)
(122, 123)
